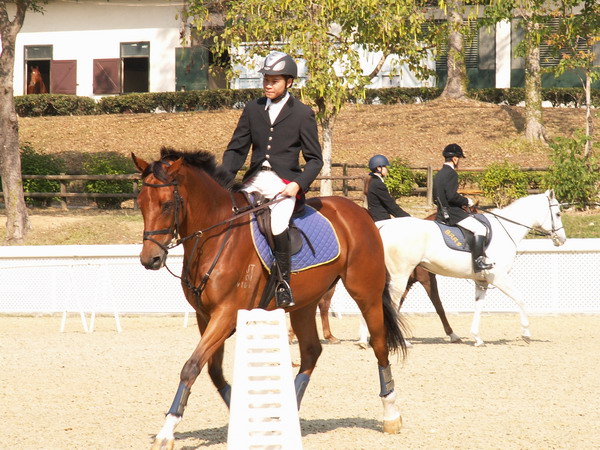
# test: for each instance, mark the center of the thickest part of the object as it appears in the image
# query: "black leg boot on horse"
(283, 263)
(478, 254)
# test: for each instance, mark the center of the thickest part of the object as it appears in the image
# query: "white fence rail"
(110, 279)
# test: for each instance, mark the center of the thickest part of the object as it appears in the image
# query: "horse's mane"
(199, 159)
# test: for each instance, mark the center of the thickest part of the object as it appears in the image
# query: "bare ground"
(106, 390)
(415, 133)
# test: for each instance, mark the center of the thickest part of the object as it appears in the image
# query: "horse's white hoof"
(479, 344)
(526, 339)
(363, 345)
(455, 338)
(163, 444)
(392, 426)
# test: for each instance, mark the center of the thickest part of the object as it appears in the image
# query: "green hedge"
(60, 105)
(54, 105)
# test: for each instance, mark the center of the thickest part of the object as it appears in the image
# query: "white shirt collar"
(275, 108)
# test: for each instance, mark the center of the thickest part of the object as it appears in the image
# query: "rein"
(551, 233)
(176, 240)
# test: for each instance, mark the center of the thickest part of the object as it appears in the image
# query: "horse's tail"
(394, 325)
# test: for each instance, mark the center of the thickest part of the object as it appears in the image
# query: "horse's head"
(161, 207)
(552, 223)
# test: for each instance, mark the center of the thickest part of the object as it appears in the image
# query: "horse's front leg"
(480, 291)
(215, 365)
(506, 285)
(303, 321)
(211, 345)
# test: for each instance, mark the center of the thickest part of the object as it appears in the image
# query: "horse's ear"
(174, 167)
(550, 194)
(139, 163)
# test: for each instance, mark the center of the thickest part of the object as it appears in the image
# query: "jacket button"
(268, 147)
(268, 156)
(270, 138)
(271, 129)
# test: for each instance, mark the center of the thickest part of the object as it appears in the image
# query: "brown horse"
(419, 275)
(36, 82)
(183, 199)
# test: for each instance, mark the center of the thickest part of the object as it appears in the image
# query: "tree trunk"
(457, 81)
(589, 122)
(534, 128)
(17, 219)
(327, 124)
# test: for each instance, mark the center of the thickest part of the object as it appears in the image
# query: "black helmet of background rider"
(279, 63)
(378, 161)
(452, 150)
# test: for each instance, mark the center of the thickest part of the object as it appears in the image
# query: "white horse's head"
(552, 223)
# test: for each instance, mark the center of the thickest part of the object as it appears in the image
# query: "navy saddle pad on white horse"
(319, 242)
(455, 238)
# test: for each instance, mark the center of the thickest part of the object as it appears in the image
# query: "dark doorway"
(136, 74)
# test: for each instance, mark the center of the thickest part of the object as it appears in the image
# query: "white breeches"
(473, 225)
(270, 185)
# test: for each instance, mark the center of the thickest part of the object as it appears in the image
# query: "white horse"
(409, 241)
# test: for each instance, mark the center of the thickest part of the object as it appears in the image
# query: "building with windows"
(96, 48)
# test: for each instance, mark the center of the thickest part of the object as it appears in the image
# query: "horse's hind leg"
(429, 283)
(303, 321)
(324, 305)
(363, 293)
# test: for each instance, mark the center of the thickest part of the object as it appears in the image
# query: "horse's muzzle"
(154, 260)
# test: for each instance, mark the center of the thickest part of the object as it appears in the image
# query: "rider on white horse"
(450, 205)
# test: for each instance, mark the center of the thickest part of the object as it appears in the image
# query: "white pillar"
(503, 54)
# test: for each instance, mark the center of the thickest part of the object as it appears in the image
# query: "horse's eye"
(166, 207)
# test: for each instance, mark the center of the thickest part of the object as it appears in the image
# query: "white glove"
(470, 202)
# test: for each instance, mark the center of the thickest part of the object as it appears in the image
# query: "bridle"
(553, 233)
(174, 230)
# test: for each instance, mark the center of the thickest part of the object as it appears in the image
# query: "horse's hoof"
(392, 426)
(333, 340)
(362, 345)
(455, 338)
(163, 444)
(479, 344)
(526, 339)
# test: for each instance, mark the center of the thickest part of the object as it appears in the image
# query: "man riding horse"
(450, 205)
(277, 127)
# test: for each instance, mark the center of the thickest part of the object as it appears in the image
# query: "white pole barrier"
(264, 410)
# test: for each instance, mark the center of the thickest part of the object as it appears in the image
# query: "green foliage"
(575, 179)
(34, 163)
(108, 164)
(54, 105)
(400, 180)
(502, 183)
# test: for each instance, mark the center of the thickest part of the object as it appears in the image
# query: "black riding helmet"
(378, 161)
(279, 63)
(453, 150)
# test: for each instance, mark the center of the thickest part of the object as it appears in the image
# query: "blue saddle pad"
(455, 238)
(316, 229)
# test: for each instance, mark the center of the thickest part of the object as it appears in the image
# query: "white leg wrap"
(167, 431)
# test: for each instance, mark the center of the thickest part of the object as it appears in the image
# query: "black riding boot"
(283, 292)
(478, 255)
